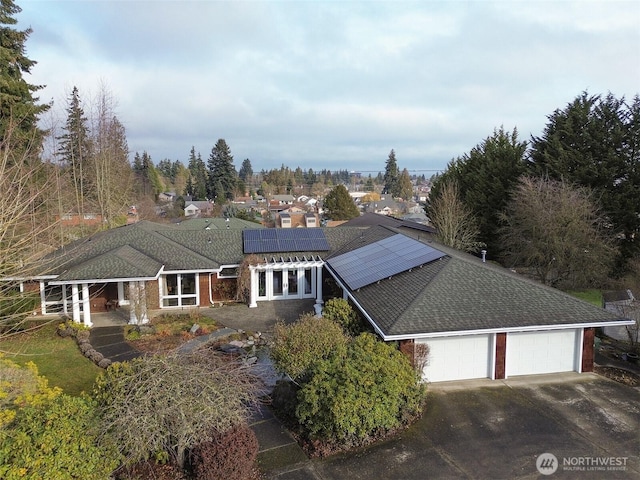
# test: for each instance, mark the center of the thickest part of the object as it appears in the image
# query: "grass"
(58, 359)
(592, 296)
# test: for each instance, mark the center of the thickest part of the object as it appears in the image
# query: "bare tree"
(112, 174)
(167, 404)
(456, 225)
(25, 225)
(555, 231)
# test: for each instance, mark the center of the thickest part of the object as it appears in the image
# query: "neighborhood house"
(478, 319)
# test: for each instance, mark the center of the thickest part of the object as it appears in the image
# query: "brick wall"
(501, 355)
(587, 349)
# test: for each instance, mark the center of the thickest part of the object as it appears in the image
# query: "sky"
(330, 84)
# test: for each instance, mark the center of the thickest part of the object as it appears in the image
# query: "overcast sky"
(332, 85)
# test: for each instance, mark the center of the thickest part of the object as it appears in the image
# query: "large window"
(179, 290)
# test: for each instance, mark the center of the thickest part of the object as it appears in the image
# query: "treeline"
(540, 204)
(197, 178)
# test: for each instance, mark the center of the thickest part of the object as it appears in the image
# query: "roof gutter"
(109, 280)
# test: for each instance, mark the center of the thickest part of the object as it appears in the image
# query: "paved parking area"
(497, 432)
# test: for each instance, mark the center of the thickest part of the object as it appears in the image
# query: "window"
(228, 272)
(308, 288)
(262, 283)
(179, 289)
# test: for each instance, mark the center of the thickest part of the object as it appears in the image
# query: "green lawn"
(58, 359)
(592, 296)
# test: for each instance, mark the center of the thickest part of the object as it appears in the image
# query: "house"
(477, 319)
(76, 219)
(195, 208)
(283, 199)
(166, 197)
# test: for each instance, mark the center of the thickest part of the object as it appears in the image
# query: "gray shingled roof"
(141, 249)
(460, 293)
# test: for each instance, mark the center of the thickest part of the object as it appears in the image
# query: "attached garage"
(458, 358)
(548, 351)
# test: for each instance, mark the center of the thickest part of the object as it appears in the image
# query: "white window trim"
(179, 296)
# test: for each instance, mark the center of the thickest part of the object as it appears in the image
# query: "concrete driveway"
(496, 430)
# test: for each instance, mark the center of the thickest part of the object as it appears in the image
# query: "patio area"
(234, 315)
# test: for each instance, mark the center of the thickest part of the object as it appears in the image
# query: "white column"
(138, 303)
(86, 305)
(65, 301)
(319, 285)
(253, 290)
(75, 303)
(43, 298)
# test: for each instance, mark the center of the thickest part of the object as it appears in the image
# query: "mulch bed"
(619, 375)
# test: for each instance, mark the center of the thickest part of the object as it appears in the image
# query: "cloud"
(332, 84)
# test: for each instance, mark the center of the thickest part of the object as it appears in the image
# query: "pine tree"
(222, 174)
(19, 109)
(391, 174)
(404, 187)
(75, 151)
(198, 176)
(246, 171)
(339, 204)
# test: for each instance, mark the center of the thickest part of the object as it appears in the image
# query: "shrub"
(231, 454)
(46, 434)
(340, 311)
(85, 347)
(367, 392)
(296, 347)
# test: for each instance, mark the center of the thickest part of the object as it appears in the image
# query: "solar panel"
(272, 240)
(382, 259)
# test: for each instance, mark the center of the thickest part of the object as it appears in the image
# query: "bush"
(231, 454)
(340, 311)
(368, 392)
(296, 347)
(49, 433)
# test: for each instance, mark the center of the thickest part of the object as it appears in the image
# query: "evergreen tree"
(404, 186)
(339, 204)
(19, 109)
(76, 150)
(368, 186)
(222, 173)
(246, 171)
(486, 177)
(391, 175)
(198, 176)
(595, 142)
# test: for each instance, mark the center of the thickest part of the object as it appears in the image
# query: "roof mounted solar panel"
(382, 259)
(272, 240)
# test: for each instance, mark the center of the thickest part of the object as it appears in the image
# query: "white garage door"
(548, 351)
(458, 358)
